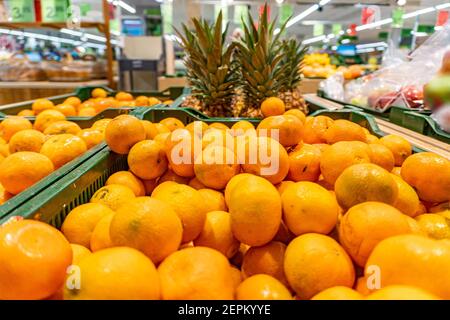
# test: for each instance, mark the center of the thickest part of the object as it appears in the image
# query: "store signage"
(442, 18)
(167, 17)
(352, 32)
(286, 11)
(54, 10)
(397, 17)
(336, 28)
(21, 10)
(318, 29)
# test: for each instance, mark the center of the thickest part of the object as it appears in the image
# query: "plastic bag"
(402, 84)
(442, 118)
(333, 86)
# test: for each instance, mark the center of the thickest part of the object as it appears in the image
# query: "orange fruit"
(4, 195)
(216, 137)
(399, 146)
(218, 125)
(315, 128)
(365, 182)
(81, 221)
(46, 118)
(424, 260)
(283, 185)
(315, 262)
(60, 127)
(154, 101)
(366, 224)
(255, 208)
(101, 124)
(26, 140)
(116, 274)
(272, 106)
(187, 204)
(73, 101)
(344, 130)
(129, 180)
(240, 127)
(87, 104)
(66, 109)
(287, 130)
(13, 124)
(79, 253)
(284, 235)
(397, 171)
(149, 225)
(197, 128)
(381, 156)
(196, 273)
(25, 247)
(99, 93)
(181, 147)
(371, 139)
(63, 148)
(216, 234)
(362, 286)
(265, 157)
(40, 105)
(147, 160)
(298, 113)
(338, 293)
(150, 185)
(407, 200)
(308, 207)
(150, 129)
(21, 170)
(104, 103)
(341, 155)
(402, 292)
(236, 275)
(216, 166)
(141, 101)
(212, 200)
(434, 225)
(429, 175)
(113, 196)
(100, 238)
(232, 183)
(169, 175)
(304, 164)
(262, 287)
(172, 123)
(26, 113)
(196, 184)
(123, 132)
(91, 137)
(162, 138)
(267, 259)
(162, 128)
(445, 206)
(87, 112)
(124, 96)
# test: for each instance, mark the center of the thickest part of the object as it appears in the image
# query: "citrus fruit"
(262, 287)
(286, 129)
(100, 238)
(338, 293)
(13, 124)
(381, 156)
(212, 200)
(26, 140)
(344, 130)
(63, 148)
(315, 128)
(401, 292)
(46, 118)
(91, 137)
(172, 123)
(304, 164)
(272, 106)
(434, 225)
(147, 159)
(40, 105)
(123, 132)
(407, 200)
(400, 147)
(113, 196)
(63, 126)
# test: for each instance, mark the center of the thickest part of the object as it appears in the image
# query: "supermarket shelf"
(325, 103)
(50, 25)
(416, 139)
(50, 84)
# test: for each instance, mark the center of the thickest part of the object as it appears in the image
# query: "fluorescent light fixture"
(124, 5)
(443, 6)
(367, 50)
(374, 24)
(371, 45)
(420, 34)
(438, 28)
(419, 12)
(307, 12)
(334, 48)
(316, 39)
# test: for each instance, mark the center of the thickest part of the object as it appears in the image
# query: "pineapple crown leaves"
(293, 55)
(209, 61)
(260, 56)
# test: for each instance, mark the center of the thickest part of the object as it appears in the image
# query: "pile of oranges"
(98, 102)
(342, 215)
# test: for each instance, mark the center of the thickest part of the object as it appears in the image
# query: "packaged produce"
(20, 68)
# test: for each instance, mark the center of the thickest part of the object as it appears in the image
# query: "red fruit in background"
(413, 96)
(446, 63)
(380, 102)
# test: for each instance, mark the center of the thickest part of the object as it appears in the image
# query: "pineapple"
(292, 58)
(259, 54)
(210, 70)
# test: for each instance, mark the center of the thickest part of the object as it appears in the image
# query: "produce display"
(298, 207)
(232, 80)
(318, 65)
(32, 149)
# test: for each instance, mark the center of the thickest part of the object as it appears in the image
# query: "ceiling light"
(307, 12)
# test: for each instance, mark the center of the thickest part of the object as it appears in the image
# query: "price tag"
(286, 12)
(54, 10)
(397, 17)
(21, 10)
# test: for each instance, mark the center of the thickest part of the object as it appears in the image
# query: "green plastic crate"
(421, 123)
(77, 187)
(84, 93)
